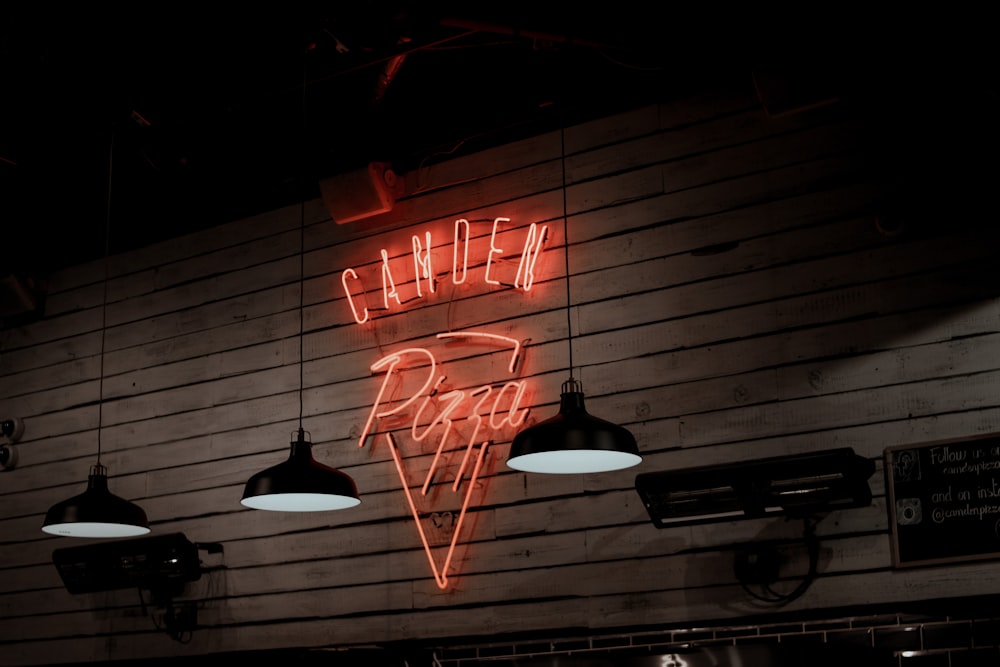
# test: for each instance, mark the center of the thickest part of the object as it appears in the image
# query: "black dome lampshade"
(96, 512)
(573, 441)
(300, 484)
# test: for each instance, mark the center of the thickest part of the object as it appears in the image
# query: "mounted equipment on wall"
(572, 441)
(11, 430)
(797, 485)
(97, 512)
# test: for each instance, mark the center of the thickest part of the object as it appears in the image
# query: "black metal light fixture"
(572, 441)
(300, 484)
(97, 512)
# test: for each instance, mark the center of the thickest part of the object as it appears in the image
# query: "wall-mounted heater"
(162, 562)
(798, 486)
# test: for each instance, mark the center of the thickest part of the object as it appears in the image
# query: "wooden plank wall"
(732, 298)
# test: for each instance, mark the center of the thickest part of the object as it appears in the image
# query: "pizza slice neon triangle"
(473, 458)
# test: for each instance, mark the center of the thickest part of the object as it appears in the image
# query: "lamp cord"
(104, 298)
(302, 232)
(569, 323)
(302, 241)
(812, 547)
(301, 301)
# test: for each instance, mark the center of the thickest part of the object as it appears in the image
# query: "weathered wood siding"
(733, 297)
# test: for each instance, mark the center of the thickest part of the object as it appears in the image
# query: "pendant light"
(572, 441)
(97, 512)
(301, 483)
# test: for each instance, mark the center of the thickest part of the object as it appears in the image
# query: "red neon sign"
(461, 241)
(423, 270)
(494, 250)
(440, 573)
(458, 423)
(487, 412)
(362, 317)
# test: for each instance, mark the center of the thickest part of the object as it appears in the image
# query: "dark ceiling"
(214, 116)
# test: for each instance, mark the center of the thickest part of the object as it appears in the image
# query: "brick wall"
(901, 639)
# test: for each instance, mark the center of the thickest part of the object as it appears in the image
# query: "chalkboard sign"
(944, 501)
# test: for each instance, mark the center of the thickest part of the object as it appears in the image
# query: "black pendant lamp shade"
(573, 441)
(96, 512)
(300, 484)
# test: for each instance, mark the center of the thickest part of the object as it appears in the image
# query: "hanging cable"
(569, 318)
(302, 287)
(97, 512)
(302, 232)
(573, 441)
(104, 298)
(301, 484)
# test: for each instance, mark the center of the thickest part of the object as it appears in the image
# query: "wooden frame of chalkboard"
(943, 500)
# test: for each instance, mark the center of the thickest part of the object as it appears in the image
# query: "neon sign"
(415, 410)
(487, 412)
(423, 269)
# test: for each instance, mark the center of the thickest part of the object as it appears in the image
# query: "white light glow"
(90, 529)
(574, 461)
(300, 502)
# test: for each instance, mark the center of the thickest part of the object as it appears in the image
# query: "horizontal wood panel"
(527, 574)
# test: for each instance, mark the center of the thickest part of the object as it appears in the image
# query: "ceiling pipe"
(389, 72)
(387, 60)
(479, 26)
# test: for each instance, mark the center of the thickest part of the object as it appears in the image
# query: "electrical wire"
(104, 298)
(302, 289)
(569, 318)
(302, 239)
(772, 596)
